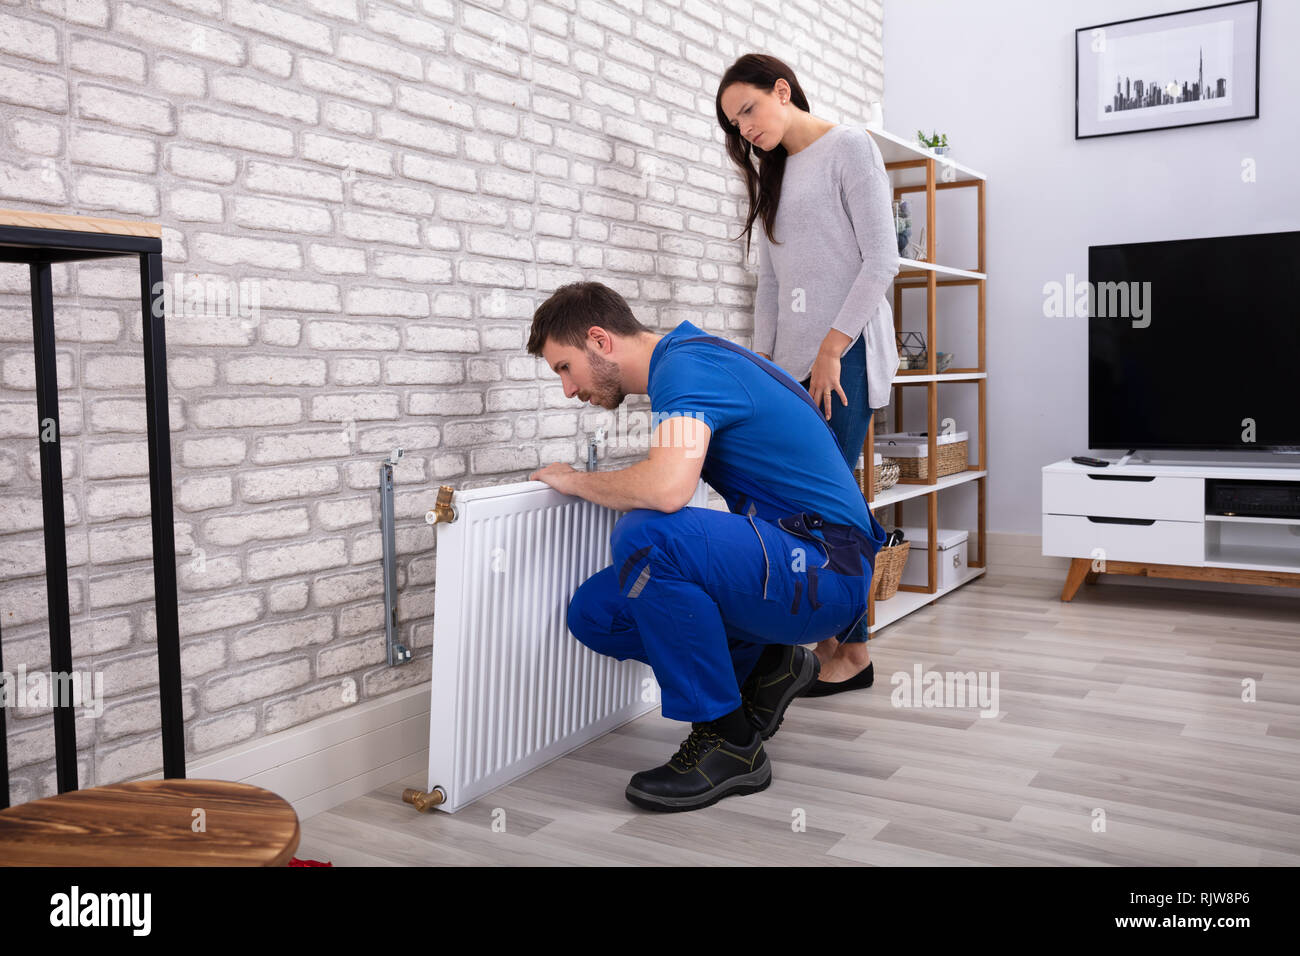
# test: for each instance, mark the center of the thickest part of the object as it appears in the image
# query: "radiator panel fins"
(511, 688)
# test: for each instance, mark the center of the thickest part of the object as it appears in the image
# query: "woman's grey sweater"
(835, 257)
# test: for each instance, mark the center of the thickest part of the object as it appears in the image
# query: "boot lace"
(701, 735)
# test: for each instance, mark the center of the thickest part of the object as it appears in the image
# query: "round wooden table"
(173, 822)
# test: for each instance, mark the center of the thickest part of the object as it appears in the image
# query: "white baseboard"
(334, 759)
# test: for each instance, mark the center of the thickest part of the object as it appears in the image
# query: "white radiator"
(512, 689)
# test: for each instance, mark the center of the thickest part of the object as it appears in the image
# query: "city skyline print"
(1181, 69)
(1167, 70)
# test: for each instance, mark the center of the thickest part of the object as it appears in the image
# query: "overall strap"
(785, 380)
(835, 542)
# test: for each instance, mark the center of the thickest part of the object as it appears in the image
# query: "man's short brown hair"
(572, 309)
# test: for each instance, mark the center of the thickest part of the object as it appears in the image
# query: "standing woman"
(827, 253)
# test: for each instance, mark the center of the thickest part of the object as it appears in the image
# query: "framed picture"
(1176, 69)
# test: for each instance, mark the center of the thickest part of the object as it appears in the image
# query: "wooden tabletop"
(152, 823)
(50, 220)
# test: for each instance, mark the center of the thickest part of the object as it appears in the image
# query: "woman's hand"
(825, 380)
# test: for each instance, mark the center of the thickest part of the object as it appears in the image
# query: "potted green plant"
(937, 142)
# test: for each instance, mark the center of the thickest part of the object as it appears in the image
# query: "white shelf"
(905, 379)
(1251, 557)
(1245, 471)
(905, 602)
(897, 149)
(1251, 520)
(902, 492)
(906, 264)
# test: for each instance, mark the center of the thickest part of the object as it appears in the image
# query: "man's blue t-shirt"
(767, 446)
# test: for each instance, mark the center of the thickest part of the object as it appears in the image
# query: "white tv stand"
(1151, 520)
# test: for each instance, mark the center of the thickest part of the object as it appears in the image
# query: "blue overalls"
(698, 593)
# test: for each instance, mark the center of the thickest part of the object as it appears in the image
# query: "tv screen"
(1194, 344)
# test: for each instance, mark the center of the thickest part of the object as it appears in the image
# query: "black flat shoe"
(864, 678)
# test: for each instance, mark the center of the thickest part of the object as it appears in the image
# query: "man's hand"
(558, 475)
(665, 481)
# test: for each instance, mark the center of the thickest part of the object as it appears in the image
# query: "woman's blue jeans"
(850, 423)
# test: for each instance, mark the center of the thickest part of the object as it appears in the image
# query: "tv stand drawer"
(1159, 542)
(1163, 497)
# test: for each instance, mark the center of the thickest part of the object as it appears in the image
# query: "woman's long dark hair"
(764, 184)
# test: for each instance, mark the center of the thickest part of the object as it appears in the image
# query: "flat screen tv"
(1195, 344)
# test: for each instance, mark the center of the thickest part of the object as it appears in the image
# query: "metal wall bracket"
(397, 653)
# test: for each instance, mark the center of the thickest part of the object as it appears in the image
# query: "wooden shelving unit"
(914, 168)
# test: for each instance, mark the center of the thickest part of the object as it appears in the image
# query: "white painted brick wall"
(406, 180)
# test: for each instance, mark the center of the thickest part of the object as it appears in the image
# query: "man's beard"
(606, 391)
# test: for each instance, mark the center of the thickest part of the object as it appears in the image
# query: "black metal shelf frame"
(39, 248)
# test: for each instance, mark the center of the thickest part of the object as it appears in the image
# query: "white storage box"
(912, 445)
(951, 563)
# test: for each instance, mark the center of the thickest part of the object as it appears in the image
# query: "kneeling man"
(717, 603)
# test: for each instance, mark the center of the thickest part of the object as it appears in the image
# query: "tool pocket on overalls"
(828, 582)
(812, 551)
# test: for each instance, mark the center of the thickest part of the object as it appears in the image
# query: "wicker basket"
(885, 475)
(889, 570)
(952, 459)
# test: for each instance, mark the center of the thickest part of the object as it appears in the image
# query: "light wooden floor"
(1126, 701)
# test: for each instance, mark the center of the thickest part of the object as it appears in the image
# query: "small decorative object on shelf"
(884, 474)
(936, 142)
(912, 353)
(902, 226)
(922, 361)
(918, 250)
(911, 347)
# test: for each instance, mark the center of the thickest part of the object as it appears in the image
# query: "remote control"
(1091, 462)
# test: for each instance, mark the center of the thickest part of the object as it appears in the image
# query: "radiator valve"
(423, 801)
(443, 509)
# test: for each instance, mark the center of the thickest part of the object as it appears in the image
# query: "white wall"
(998, 77)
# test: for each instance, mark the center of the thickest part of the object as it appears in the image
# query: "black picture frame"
(1082, 33)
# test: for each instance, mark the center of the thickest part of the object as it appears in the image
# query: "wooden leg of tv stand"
(1079, 572)
(1074, 577)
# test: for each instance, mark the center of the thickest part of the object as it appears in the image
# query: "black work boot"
(706, 768)
(766, 695)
